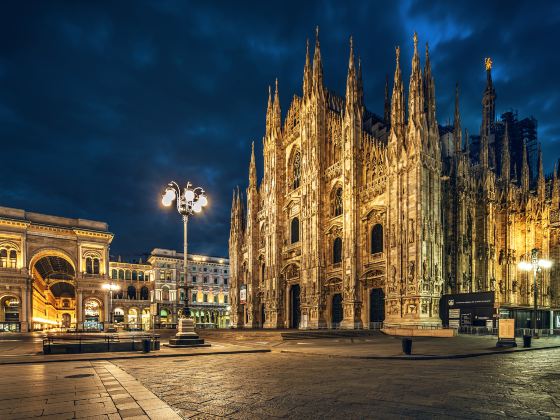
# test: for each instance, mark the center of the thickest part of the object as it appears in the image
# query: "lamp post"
(188, 200)
(536, 265)
(110, 287)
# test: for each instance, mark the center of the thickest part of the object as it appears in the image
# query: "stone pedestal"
(186, 336)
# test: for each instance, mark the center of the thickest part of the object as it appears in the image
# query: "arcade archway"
(54, 293)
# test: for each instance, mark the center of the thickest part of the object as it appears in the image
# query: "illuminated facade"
(54, 273)
(51, 271)
(361, 219)
(207, 281)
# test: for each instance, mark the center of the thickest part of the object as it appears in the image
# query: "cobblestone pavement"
(247, 386)
(67, 390)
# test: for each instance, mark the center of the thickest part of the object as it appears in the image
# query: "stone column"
(79, 307)
(106, 309)
(25, 320)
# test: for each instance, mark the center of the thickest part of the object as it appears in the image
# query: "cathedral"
(361, 220)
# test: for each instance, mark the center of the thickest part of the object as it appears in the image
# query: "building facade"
(55, 273)
(361, 219)
(207, 281)
(52, 271)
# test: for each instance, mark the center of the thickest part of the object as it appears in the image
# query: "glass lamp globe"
(197, 207)
(203, 200)
(189, 195)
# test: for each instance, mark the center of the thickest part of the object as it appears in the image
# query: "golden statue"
(488, 63)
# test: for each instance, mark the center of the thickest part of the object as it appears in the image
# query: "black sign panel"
(471, 308)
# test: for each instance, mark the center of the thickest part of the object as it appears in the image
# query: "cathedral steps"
(318, 334)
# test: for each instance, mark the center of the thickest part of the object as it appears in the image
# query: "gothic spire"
(416, 115)
(307, 77)
(457, 131)
(488, 103)
(252, 168)
(317, 65)
(397, 102)
(387, 108)
(429, 92)
(506, 166)
(269, 112)
(351, 82)
(525, 170)
(276, 112)
(540, 179)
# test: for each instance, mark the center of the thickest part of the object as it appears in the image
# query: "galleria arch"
(53, 273)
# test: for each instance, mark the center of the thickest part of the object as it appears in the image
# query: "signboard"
(506, 329)
(454, 323)
(243, 295)
(467, 309)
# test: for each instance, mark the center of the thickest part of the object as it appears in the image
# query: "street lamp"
(110, 287)
(536, 265)
(188, 200)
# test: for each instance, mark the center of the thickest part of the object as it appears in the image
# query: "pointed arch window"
(376, 239)
(296, 170)
(263, 270)
(337, 205)
(294, 230)
(337, 251)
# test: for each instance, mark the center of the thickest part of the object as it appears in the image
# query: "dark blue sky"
(103, 103)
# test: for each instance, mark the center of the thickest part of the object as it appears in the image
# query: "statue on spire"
(488, 63)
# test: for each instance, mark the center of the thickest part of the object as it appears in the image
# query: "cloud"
(102, 104)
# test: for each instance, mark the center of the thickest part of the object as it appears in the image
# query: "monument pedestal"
(186, 336)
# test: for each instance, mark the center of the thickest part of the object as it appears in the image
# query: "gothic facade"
(360, 219)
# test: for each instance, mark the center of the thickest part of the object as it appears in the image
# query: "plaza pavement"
(257, 375)
(93, 390)
(297, 386)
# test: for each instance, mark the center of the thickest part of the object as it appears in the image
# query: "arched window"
(13, 259)
(337, 251)
(121, 274)
(144, 293)
(337, 202)
(134, 275)
(3, 257)
(165, 294)
(96, 266)
(294, 230)
(205, 297)
(296, 170)
(263, 268)
(127, 275)
(226, 299)
(131, 292)
(193, 298)
(141, 275)
(377, 239)
(114, 274)
(89, 266)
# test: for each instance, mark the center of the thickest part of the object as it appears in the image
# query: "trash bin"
(146, 343)
(526, 340)
(407, 345)
(156, 344)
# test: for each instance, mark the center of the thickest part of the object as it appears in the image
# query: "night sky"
(103, 103)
